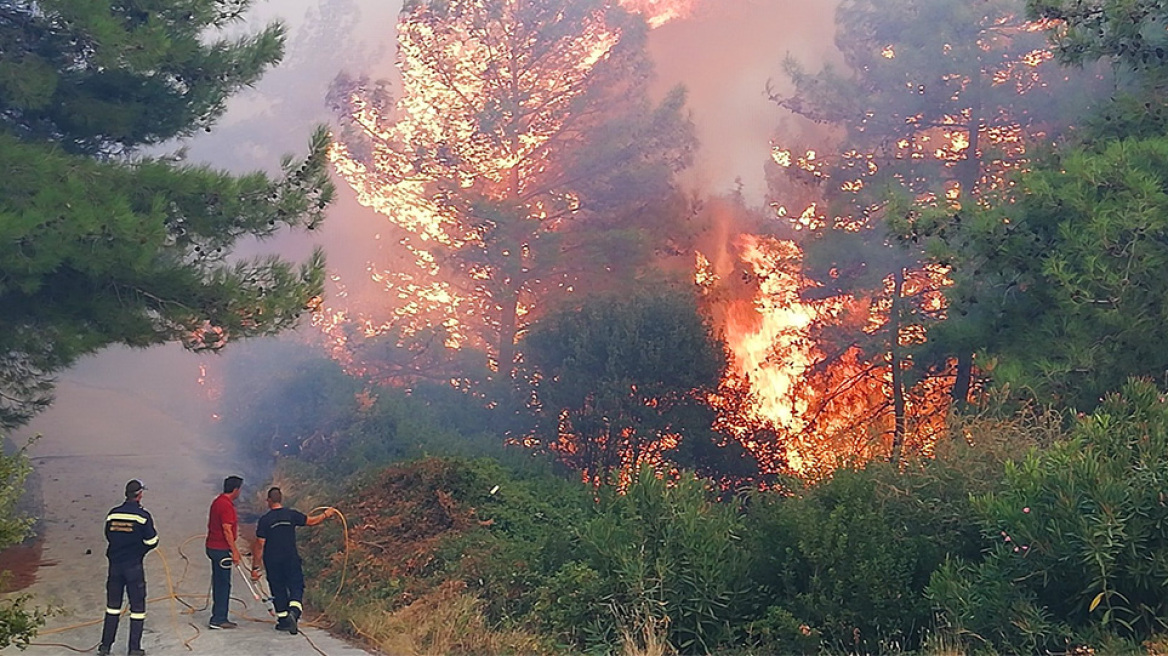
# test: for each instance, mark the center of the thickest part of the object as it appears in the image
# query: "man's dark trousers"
(131, 578)
(286, 579)
(220, 583)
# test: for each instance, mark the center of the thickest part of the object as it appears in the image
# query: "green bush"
(780, 632)
(15, 525)
(18, 622)
(661, 550)
(1078, 535)
(847, 560)
(569, 603)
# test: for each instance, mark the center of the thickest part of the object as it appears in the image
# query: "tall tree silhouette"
(938, 103)
(521, 162)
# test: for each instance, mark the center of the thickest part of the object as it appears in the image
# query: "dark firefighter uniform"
(282, 562)
(129, 530)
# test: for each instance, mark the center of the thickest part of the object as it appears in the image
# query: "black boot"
(294, 620)
(284, 623)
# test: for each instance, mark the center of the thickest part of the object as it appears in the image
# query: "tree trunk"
(968, 175)
(961, 386)
(898, 402)
(508, 327)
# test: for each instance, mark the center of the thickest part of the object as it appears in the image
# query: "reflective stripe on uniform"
(151, 542)
(126, 517)
(295, 604)
(137, 616)
(282, 613)
(113, 611)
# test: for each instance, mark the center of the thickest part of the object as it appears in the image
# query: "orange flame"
(660, 12)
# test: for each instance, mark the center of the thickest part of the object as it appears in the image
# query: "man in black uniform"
(276, 547)
(129, 530)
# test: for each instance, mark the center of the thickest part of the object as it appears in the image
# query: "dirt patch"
(19, 565)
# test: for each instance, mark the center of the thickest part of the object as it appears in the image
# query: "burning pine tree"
(522, 162)
(940, 102)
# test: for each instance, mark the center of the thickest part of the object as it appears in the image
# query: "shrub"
(667, 557)
(18, 622)
(1080, 530)
(845, 558)
(846, 561)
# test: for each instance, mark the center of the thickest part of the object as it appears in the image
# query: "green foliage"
(495, 529)
(1071, 275)
(610, 376)
(1080, 547)
(14, 471)
(844, 564)
(18, 622)
(779, 632)
(101, 78)
(1128, 32)
(570, 603)
(101, 246)
(1130, 36)
(848, 558)
(661, 548)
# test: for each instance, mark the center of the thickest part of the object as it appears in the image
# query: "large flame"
(844, 400)
(465, 161)
(445, 128)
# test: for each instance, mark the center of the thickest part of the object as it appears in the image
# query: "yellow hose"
(345, 563)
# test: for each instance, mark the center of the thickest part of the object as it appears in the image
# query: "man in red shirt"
(222, 529)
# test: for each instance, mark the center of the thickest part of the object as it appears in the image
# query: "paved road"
(93, 440)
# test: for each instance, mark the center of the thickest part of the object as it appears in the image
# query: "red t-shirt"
(222, 512)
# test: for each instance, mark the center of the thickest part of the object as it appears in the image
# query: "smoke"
(124, 398)
(725, 55)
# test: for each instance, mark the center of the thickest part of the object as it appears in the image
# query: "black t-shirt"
(278, 529)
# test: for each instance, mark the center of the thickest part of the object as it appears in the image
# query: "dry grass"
(644, 629)
(447, 620)
(649, 639)
(943, 644)
(1157, 645)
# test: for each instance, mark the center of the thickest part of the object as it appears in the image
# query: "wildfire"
(768, 339)
(953, 148)
(465, 164)
(660, 12)
(211, 387)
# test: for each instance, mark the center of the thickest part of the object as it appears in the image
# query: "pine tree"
(939, 103)
(101, 244)
(612, 395)
(522, 161)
